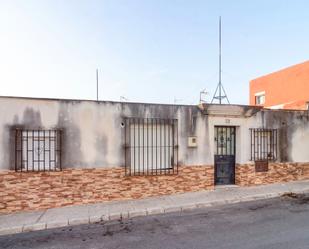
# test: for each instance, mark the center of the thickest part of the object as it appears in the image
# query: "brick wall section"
(42, 190)
(278, 172)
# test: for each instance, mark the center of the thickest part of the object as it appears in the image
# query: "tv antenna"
(203, 95)
(220, 92)
(123, 98)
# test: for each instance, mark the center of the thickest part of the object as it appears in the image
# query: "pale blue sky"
(146, 50)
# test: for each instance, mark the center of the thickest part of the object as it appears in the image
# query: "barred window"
(263, 144)
(151, 146)
(37, 150)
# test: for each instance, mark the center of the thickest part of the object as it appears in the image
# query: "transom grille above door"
(151, 146)
(37, 150)
(224, 140)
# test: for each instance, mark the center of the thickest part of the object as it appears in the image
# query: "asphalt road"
(276, 223)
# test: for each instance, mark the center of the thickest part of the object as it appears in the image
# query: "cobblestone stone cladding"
(42, 190)
(277, 172)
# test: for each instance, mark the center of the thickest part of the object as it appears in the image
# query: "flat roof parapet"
(229, 110)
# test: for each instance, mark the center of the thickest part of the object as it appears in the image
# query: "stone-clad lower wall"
(42, 190)
(277, 172)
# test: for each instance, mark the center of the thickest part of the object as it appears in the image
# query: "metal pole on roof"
(220, 71)
(97, 74)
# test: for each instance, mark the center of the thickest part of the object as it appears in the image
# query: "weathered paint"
(93, 136)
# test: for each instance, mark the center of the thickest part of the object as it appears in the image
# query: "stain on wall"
(31, 118)
(70, 151)
(93, 136)
(291, 127)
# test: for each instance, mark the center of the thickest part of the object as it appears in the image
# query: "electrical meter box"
(192, 141)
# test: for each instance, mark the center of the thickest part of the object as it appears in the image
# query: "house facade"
(67, 152)
(285, 89)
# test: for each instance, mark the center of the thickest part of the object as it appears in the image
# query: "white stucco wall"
(93, 136)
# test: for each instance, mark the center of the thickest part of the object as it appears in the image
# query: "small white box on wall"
(192, 141)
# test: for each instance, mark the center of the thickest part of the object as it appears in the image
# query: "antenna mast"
(218, 93)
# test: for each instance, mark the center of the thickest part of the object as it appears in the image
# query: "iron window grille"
(151, 146)
(263, 144)
(38, 150)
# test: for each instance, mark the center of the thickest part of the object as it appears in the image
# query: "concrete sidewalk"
(84, 214)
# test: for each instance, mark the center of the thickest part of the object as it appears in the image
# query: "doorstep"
(228, 186)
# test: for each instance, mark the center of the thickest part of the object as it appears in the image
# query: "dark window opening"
(151, 146)
(263, 144)
(37, 150)
(260, 99)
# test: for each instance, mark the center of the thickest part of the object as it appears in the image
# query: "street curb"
(139, 213)
(11, 230)
(56, 224)
(34, 227)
